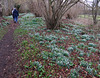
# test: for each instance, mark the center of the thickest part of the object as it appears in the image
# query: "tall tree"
(95, 8)
(53, 10)
(0, 9)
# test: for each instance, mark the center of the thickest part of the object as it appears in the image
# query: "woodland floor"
(29, 50)
(8, 53)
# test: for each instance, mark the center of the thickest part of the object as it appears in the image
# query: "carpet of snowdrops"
(69, 52)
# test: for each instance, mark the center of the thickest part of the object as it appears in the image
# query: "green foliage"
(53, 42)
(31, 35)
(32, 46)
(90, 64)
(89, 70)
(3, 28)
(8, 17)
(65, 53)
(29, 74)
(29, 15)
(44, 55)
(81, 54)
(81, 45)
(53, 50)
(74, 73)
(62, 38)
(77, 31)
(20, 31)
(92, 45)
(98, 35)
(63, 61)
(91, 49)
(38, 65)
(84, 63)
(70, 49)
(24, 43)
(83, 40)
(41, 42)
(50, 37)
(98, 67)
(5, 23)
(80, 58)
(48, 30)
(84, 36)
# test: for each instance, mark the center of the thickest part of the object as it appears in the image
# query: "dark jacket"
(15, 13)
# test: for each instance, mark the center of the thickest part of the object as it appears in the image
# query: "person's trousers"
(16, 19)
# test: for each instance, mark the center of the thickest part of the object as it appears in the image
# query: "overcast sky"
(88, 0)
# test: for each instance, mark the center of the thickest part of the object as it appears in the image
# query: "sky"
(88, 0)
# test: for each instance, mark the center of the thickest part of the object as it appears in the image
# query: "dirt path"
(7, 54)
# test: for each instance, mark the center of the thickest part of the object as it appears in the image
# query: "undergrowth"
(3, 28)
(64, 53)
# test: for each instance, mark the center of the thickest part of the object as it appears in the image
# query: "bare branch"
(55, 9)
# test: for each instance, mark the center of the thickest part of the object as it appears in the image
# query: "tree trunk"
(0, 9)
(94, 20)
(94, 14)
(50, 24)
(53, 10)
(53, 23)
(95, 11)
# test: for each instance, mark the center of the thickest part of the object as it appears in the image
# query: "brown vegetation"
(7, 5)
(34, 8)
(74, 11)
(87, 23)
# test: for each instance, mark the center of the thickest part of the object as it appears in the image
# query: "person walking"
(15, 15)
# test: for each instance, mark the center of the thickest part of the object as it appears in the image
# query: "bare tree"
(53, 10)
(95, 8)
(0, 9)
(74, 11)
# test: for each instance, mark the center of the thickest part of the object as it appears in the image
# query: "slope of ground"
(70, 52)
(4, 24)
(7, 49)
